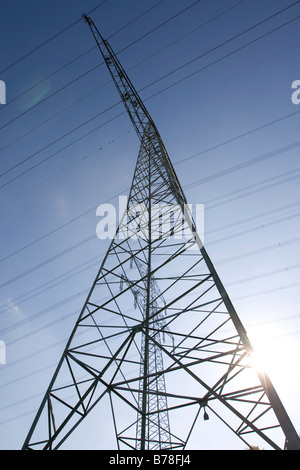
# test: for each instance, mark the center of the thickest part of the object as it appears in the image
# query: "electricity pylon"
(158, 342)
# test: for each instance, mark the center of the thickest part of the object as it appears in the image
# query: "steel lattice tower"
(158, 339)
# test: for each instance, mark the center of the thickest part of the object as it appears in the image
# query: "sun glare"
(263, 358)
(268, 356)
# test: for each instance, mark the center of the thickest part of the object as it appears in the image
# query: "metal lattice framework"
(158, 339)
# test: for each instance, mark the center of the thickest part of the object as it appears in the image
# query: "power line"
(254, 217)
(57, 140)
(67, 168)
(43, 263)
(159, 26)
(80, 294)
(205, 23)
(52, 365)
(85, 291)
(80, 268)
(108, 82)
(50, 96)
(267, 291)
(264, 225)
(223, 44)
(285, 286)
(291, 317)
(64, 148)
(96, 66)
(250, 28)
(155, 94)
(135, 19)
(146, 34)
(255, 252)
(36, 291)
(233, 139)
(263, 275)
(89, 261)
(255, 191)
(81, 55)
(195, 183)
(50, 39)
(190, 185)
(54, 230)
(203, 180)
(224, 57)
(258, 251)
(241, 166)
(235, 258)
(41, 183)
(48, 76)
(45, 310)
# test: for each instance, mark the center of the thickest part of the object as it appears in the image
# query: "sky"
(217, 80)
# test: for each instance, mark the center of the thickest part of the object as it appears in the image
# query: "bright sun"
(263, 358)
(270, 354)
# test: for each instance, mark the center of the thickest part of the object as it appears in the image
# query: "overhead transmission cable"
(95, 67)
(129, 45)
(226, 42)
(114, 105)
(42, 44)
(211, 177)
(203, 180)
(72, 297)
(284, 286)
(108, 82)
(80, 55)
(178, 162)
(87, 264)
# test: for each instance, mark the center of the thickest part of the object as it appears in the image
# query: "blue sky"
(225, 113)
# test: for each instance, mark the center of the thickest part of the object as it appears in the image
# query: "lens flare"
(34, 96)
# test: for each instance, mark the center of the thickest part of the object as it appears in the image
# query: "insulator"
(205, 416)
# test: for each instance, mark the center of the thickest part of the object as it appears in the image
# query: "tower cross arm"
(143, 123)
(136, 109)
